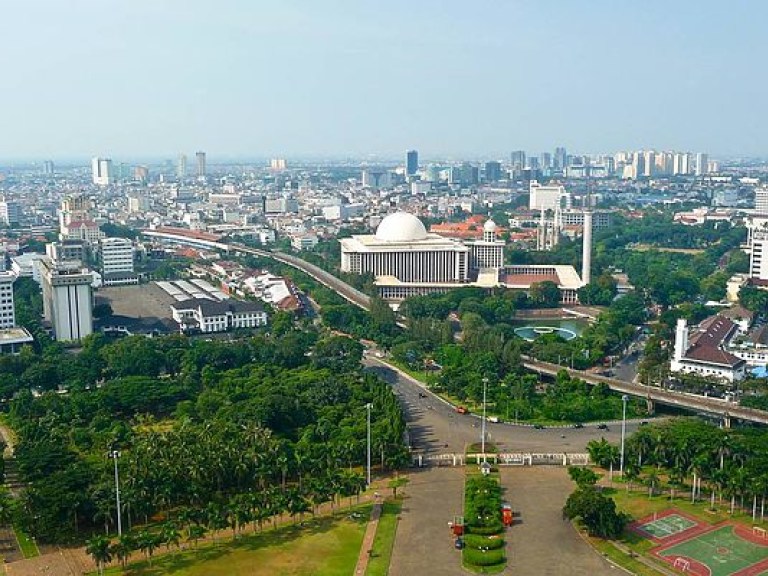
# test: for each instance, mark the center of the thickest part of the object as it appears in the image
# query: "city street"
(435, 428)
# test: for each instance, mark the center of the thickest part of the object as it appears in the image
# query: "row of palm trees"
(689, 455)
(254, 508)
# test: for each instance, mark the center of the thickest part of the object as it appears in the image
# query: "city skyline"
(343, 79)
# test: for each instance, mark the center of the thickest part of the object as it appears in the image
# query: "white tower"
(586, 249)
(681, 339)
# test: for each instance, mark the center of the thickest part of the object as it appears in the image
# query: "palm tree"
(653, 482)
(147, 542)
(100, 550)
(170, 535)
(195, 532)
(122, 548)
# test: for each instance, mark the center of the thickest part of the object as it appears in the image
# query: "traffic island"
(481, 535)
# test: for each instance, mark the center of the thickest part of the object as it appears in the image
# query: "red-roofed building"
(704, 353)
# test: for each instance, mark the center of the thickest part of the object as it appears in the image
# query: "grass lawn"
(325, 547)
(384, 540)
(27, 545)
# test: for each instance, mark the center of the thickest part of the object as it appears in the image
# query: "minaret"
(586, 253)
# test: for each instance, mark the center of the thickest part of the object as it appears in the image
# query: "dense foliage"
(198, 424)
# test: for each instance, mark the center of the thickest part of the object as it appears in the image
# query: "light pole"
(482, 440)
(115, 454)
(368, 456)
(624, 400)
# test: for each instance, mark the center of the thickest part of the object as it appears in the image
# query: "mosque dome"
(401, 227)
(489, 226)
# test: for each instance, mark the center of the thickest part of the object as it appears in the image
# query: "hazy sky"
(252, 78)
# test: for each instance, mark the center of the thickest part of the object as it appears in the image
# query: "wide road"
(435, 428)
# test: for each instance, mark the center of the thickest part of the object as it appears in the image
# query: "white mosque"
(406, 260)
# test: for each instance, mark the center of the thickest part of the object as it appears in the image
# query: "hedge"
(489, 558)
(477, 541)
(495, 528)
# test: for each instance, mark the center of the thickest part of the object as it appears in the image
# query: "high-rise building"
(649, 163)
(761, 200)
(411, 162)
(181, 167)
(561, 158)
(10, 212)
(7, 311)
(278, 164)
(492, 171)
(140, 174)
(545, 160)
(702, 164)
(517, 160)
(102, 171)
(116, 258)
(48, 168)
(201, 170)
(67, 299)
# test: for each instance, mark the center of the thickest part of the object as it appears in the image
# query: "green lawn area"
(27, 545)
(324, 547)
(385, 539)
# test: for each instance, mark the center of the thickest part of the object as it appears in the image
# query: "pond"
(567, 329)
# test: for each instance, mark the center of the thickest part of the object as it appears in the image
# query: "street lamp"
(115, 454)
(482, 440)
(624, 400)
(368, 459)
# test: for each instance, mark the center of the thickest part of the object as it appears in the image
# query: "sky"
(372, 78)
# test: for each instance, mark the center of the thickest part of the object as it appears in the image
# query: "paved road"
(541, 543)
(423, 543)
(435, 428)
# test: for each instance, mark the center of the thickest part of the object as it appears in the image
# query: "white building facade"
(67, 300)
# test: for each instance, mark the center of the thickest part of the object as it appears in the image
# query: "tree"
(596, 512)
(396, 483)
(584, 477)
(122, 548)
(545, 294)
(100, 550)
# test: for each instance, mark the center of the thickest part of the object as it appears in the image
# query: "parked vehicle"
(462, 410)
(507, 517)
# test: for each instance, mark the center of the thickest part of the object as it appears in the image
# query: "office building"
(492, 171)
(49, 168)
(545, 161)
(278, 164)
(102, 171)
(181, 167)
(517, 160)
(7, 312)
(10, 213)
(116, 260)
(67, 299)
(201, 168)
(376, 178)
(548, 197)
(761, 200)
(702, 164)
(411, 162)
(66, 251)
(560, 159)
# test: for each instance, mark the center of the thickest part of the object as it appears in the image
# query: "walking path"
(367, 547)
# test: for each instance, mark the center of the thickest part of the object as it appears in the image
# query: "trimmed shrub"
(477, 541)
(479, 558)
(494, 528)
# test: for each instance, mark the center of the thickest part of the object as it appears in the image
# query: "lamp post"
(624, 400)
(482, 440)
(368, 456)
(115, 454)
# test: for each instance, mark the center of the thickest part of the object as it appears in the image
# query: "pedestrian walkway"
(370, 533)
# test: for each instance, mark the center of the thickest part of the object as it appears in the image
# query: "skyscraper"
(411, 162)
(67, 299)
(545, 160)
(181, 167)
(561, 158)
(200, 156)
(102, 172)
(517, 159)
(48, 168)
(492, 171)
(702, 162)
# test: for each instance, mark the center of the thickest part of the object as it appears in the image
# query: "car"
(644, 423)
(458, 544)
(578, 425)
(538, 426)
(462, 410)
(603, 427)
(422, 395)
(494, 419)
